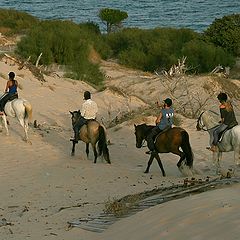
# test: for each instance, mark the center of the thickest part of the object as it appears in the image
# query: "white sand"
(38, 180)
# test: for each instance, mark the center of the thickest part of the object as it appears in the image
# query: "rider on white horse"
(228, 119)
(10, 92)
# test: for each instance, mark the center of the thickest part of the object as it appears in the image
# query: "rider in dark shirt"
(10, 91)
(228, 119)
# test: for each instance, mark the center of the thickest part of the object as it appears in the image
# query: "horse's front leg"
(73, 148)
(217, 157)
(150, 162)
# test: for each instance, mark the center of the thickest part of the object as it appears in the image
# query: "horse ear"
(71, 112)
(135, 125)
(79, 111)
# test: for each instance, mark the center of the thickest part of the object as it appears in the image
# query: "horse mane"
(146, 128)
(210, 118)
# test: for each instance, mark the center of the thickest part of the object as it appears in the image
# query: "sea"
(194, 14)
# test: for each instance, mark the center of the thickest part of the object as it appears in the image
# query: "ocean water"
(193, 14)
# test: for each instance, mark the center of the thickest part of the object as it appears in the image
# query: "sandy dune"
(43, 187)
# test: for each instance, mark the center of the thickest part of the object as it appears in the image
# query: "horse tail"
(28, 109)
(186, 147)
(102, 144)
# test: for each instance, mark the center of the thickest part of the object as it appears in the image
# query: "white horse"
(19, 108)
(230, 140)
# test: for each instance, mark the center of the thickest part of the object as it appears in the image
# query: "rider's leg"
(216, 133)
(3, 101)
(150, 138)
(77, 128)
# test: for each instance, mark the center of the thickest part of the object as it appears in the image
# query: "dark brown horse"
(92, 132)
(169, 140)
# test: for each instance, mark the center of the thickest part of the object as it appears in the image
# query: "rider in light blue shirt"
(163, 121)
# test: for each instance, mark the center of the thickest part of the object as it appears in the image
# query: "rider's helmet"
(168, 101)
(87, 95)
(222, 97)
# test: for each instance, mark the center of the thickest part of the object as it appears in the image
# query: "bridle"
(200, 125)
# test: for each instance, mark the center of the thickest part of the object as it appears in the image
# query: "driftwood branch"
(38, 59)
(185, 95)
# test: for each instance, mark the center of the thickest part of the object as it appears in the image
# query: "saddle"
(164, 130)
(221, 134)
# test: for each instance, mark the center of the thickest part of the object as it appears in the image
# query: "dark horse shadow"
(92, 133)
(168, 141)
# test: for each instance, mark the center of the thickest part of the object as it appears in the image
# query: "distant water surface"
(194, 14)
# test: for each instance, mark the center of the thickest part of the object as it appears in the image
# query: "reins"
(201, 125)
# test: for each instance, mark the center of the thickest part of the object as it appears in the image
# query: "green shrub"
(12, 21)
(225, 32)
(204, 57)
(65, 43)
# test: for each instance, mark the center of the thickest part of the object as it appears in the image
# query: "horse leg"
(73, 148)
(4, 118)
(95, 152)
(149, 163)
(87, 149)
(237, 156)
(25, 127)
(160, 164)
(217, 157)
(182, 157)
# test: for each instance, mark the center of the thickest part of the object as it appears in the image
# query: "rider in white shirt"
(88, 112)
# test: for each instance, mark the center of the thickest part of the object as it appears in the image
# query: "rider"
(228, 119)
(88, 112)
(10, 91)
(163, 121)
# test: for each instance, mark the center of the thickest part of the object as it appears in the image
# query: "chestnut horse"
(168, 141)
(92, 132)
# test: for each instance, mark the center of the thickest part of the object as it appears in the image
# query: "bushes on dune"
(225, 32)
(68, 43)
(12, 21)
(149, 50)
(65, 43)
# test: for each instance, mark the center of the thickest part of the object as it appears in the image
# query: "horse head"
(207, 120)
(200, 125)
(75, 116)
(140, 133)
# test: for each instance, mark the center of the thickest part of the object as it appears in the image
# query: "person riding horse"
(163, 121)
(10, 91)
(228, 119)
(88, 112)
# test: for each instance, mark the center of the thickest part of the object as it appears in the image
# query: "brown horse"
(169, 140)
(92, 132)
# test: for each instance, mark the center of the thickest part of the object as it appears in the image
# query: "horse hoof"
(72, 154)
(146, 172)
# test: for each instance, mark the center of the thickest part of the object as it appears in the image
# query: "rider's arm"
(83, 110)
(222, 107)
(7, 86)
(159, 118)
